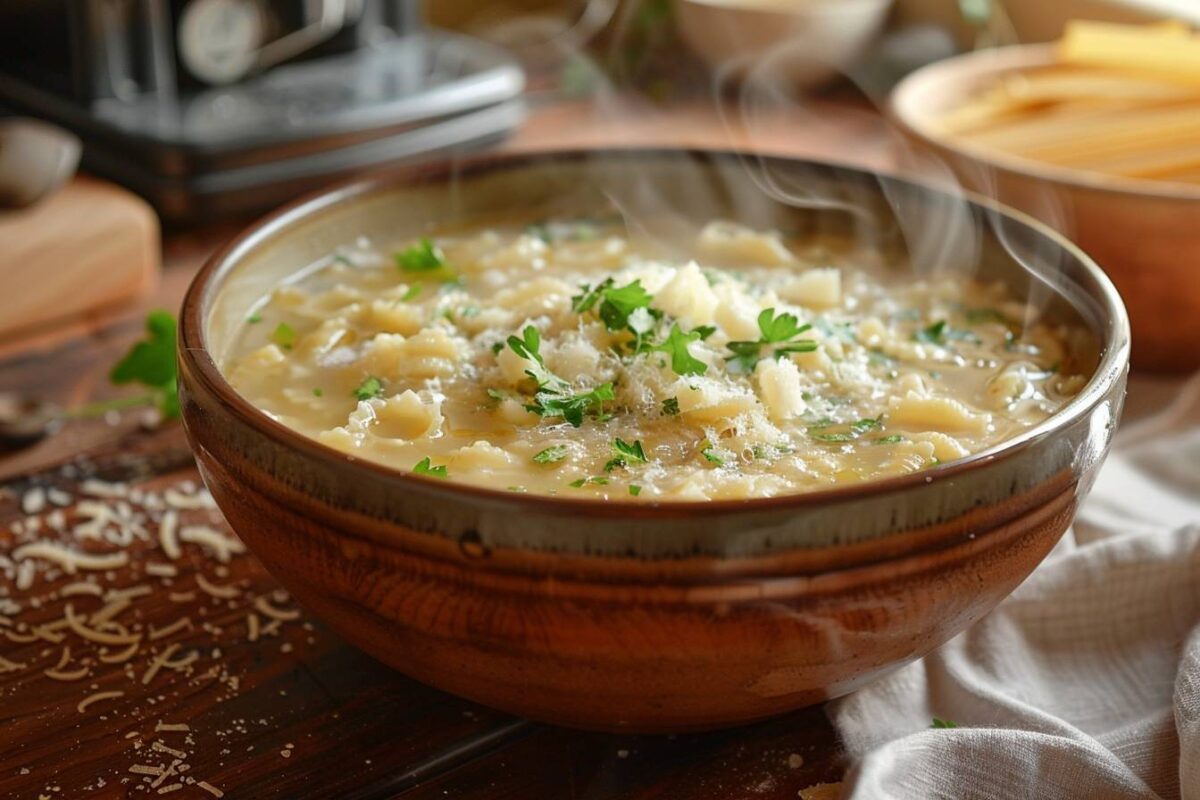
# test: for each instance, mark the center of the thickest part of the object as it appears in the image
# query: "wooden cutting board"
(86, 251)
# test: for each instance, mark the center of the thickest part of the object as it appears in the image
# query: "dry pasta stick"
(1167, 52)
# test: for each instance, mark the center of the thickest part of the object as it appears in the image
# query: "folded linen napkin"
(1085, 683)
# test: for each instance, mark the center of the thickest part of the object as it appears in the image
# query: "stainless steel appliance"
(215, 107)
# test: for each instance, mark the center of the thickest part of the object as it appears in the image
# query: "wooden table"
(225, 686)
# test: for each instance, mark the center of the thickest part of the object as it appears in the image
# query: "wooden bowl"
(1145, 234)
(667, 617)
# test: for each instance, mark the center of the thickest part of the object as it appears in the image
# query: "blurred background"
(124, 119)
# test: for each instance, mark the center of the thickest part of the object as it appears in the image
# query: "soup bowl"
(649, 617)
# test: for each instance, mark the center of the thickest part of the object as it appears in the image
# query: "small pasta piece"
(918, 413)
(816, 288)
(406, 416)
(707, 400)
(730, 243)
(393, 316)
(480, 456)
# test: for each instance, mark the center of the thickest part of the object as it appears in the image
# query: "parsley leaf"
(682, 361)
(425, 467)
(551, 454)
(424, 256)
(618, 304)
(625, 454)
(589, 296)
(940, 332)
(856, 429)
(254, 318)
(670, 406)
(597, 479)
(895, 437)
(938, 722)
(529, 345)
(572, 407)
(371, 387)
(151, 363)
(284, 335)
(710, 453)
(634, 489)
(412, 292)
(778, 338)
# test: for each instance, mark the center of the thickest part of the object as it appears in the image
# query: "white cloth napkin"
(1085, 683)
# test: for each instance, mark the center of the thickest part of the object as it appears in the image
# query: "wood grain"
(351, 727)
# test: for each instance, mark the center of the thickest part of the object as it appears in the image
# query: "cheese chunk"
(779, 387)
(688, 296)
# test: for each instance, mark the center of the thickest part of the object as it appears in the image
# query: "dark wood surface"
(296, 713)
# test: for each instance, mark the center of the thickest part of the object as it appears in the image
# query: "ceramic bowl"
(643, 617)
(1144, 234)
(813, 40)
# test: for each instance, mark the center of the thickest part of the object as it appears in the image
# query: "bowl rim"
(907, 114)
(193, 345)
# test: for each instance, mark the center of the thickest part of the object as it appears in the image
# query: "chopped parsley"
(581, 482)
(938, 722)
(634, 489)
(412, 292)
(940, 332)
(254, 318)
(625, 454)
(676, 345)
(318, 391)
(554, 397)
(616, 304)
(284, 335)
(779, 337)
(572, 407)
(151, 363)
(670, 406)
(370, 387)
(856, 429)
(424, 256)
(551, 454)
(425, 467)
(710, 453)
(977, 316)
(895, 437)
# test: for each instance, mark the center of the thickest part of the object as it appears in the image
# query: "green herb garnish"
(425, 467)
(284, 335)
(938, 722)
(710, 453)
(676, 345)
(895, 437)
(151, 363)
(254, 318)
(778, 339)
(318, 392)
(856, 429)
(424, 256)
(597, 479)
(412, 292)
(670, 406)
(625, 454)
(572, 407)
(634, 489)
(371, 387)
(551, 454)
(940, 332)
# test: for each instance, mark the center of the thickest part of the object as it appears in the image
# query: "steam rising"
(750, 95)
